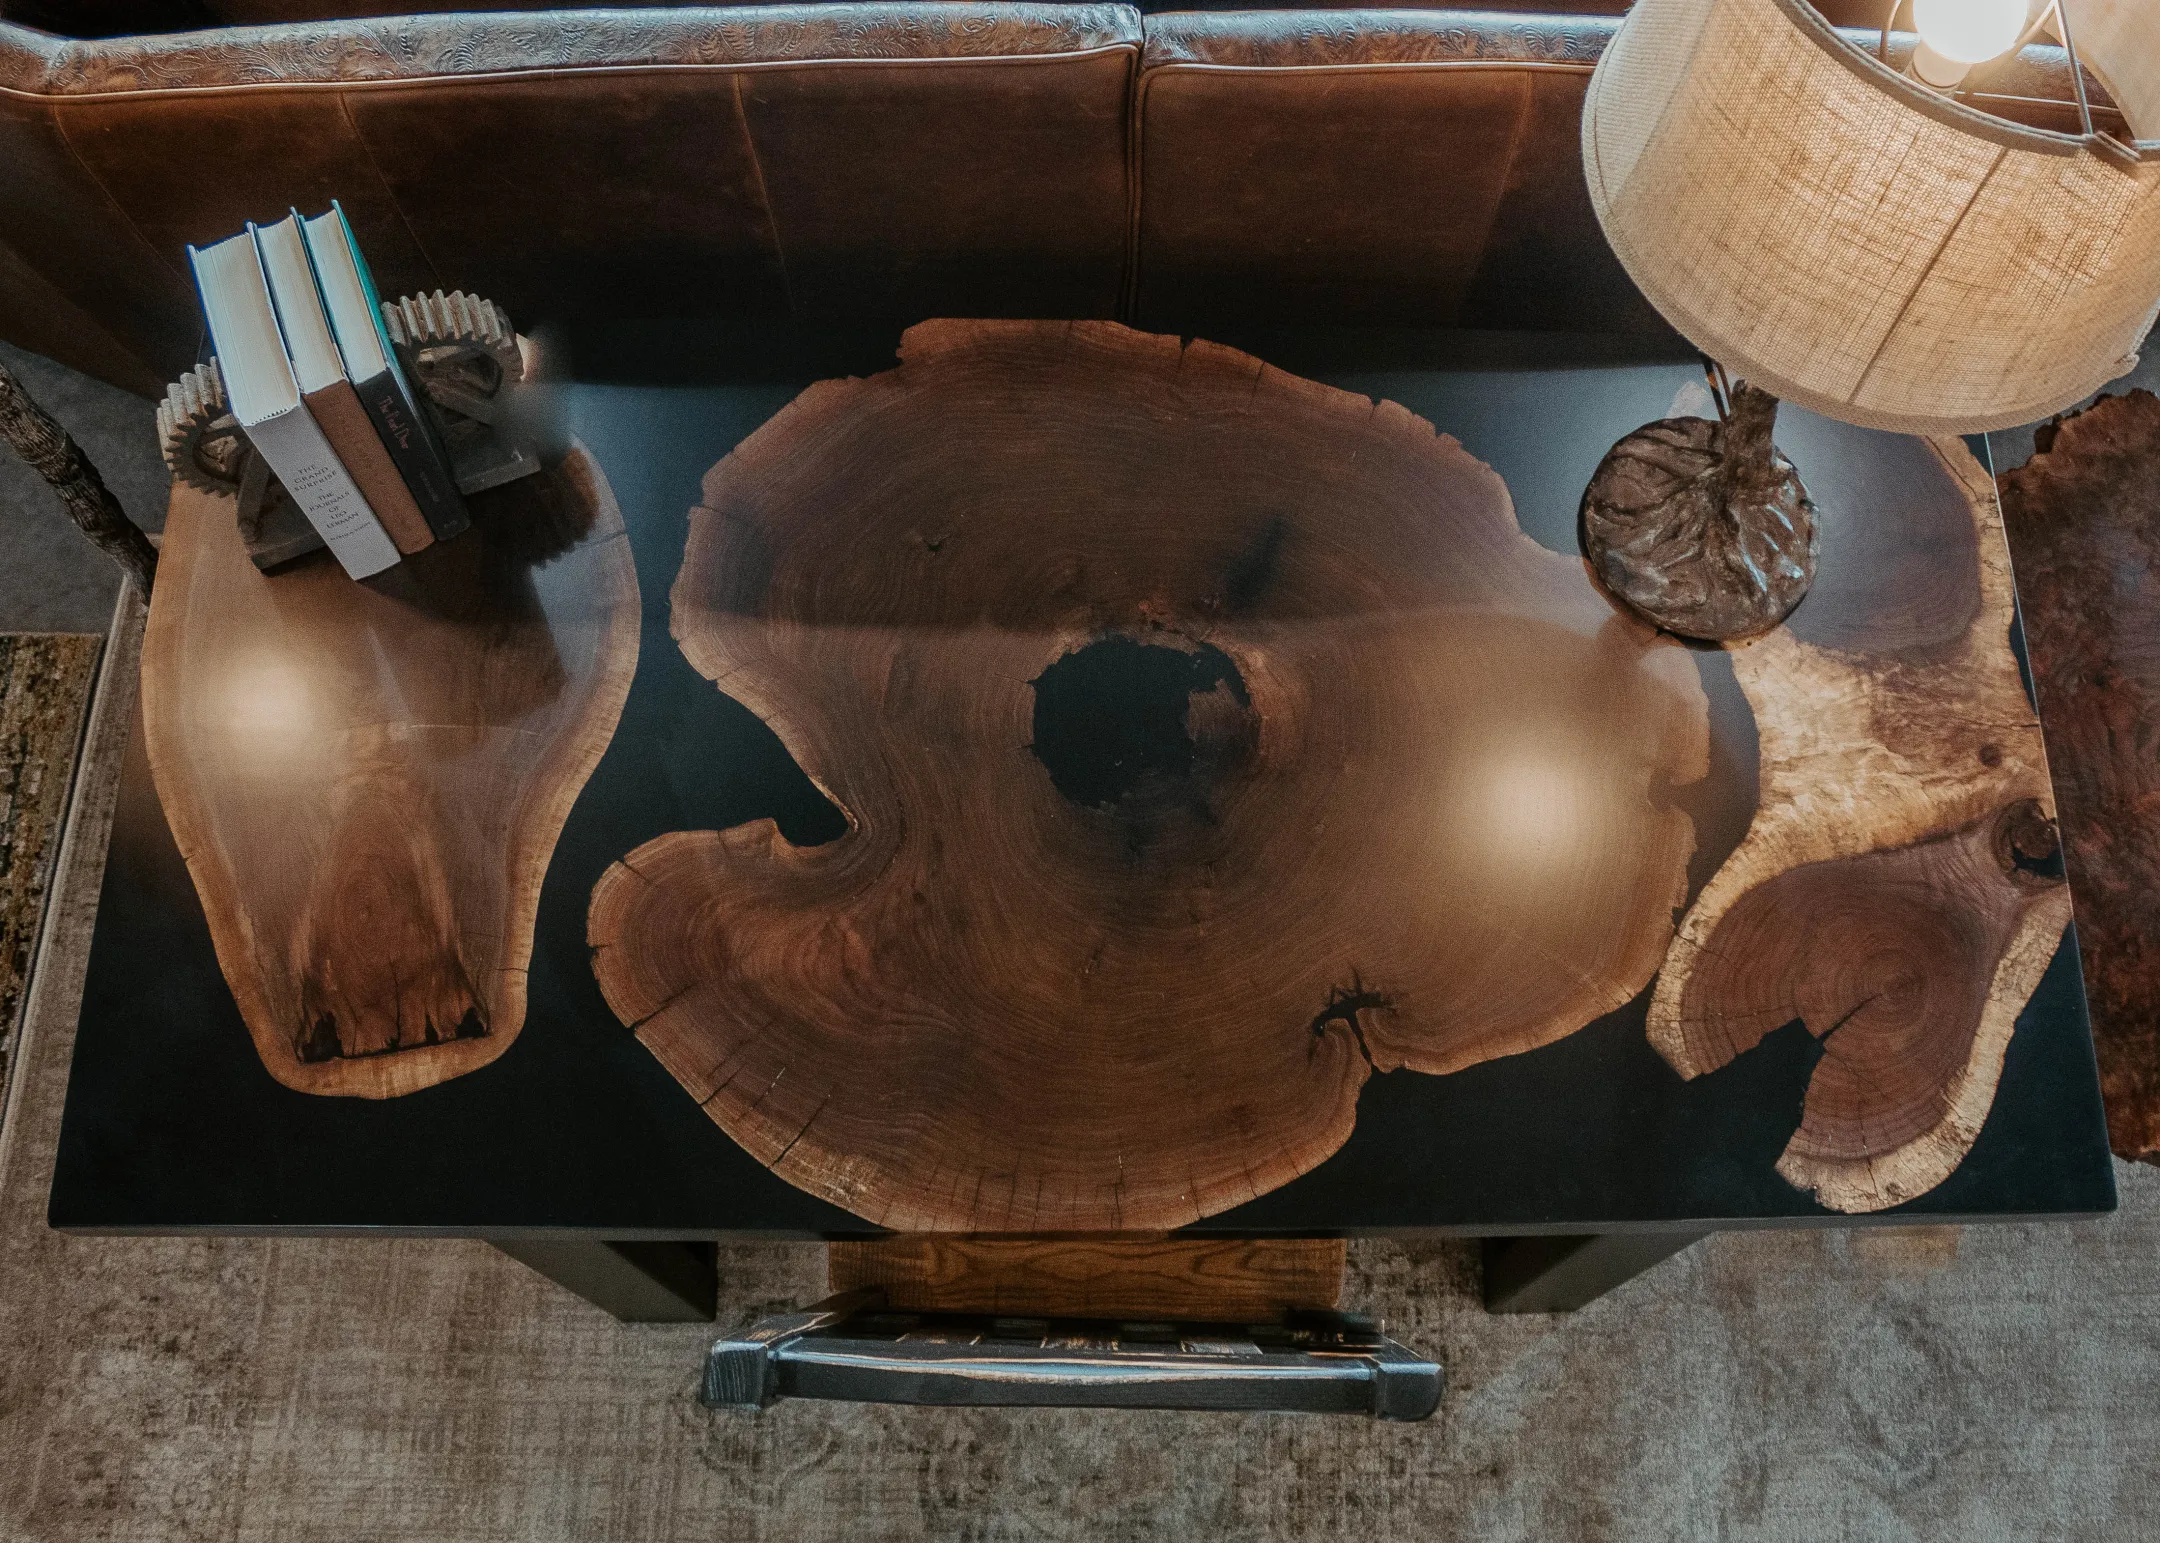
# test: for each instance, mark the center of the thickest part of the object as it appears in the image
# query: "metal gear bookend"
(458, 349)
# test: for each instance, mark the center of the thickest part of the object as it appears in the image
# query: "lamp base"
(1702, 528)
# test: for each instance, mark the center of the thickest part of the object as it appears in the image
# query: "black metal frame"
(637, 1282)
(1558, 1274)
(677, 1282)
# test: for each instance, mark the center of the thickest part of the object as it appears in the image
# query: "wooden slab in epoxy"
(367, 780)
(1208, 739)
(172, 1124)
(1900, 889)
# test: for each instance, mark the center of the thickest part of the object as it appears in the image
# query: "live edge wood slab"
(1209, 739)
(1901, 888)
(367, 779)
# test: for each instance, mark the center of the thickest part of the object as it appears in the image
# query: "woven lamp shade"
(1855, 243)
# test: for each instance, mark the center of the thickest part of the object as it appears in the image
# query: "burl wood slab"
(1208, 739)
(1900, 889)
(2084, 522)
(367, 780)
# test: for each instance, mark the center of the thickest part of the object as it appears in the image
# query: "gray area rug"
(1994, 1383)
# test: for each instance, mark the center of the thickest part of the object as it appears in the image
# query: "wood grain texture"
(1899, 889)
(2084, 523)
(1208, 740)
(367, 780)
(51, 452)
(1218, 1280)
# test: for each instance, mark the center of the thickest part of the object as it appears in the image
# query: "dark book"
(371, 363)
(319, 368)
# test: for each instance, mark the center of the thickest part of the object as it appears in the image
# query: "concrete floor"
(1894, 1384)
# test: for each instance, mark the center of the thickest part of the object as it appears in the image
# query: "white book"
(265, 398)
(319, 368)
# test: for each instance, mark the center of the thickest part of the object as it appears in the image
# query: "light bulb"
(1969, 31)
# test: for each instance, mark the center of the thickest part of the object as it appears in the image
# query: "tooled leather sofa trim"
(2028, 86)
(1348, 39)
(405, 48)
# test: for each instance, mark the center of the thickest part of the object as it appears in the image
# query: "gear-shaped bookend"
(459, 349)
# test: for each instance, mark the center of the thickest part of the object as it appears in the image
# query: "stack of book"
(312, 377)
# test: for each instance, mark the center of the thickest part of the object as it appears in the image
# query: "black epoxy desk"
(577, 1138)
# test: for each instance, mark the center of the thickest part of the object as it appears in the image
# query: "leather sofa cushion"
(889, 161)
(823, 161)
(1354, 167)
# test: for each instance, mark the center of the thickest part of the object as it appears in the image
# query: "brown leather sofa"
(884, 161)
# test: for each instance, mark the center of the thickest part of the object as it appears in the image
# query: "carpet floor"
(1990, 1383)
(44, 688)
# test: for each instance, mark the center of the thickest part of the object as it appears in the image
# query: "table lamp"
(1863, 239)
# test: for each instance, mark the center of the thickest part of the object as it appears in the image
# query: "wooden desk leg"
(1560, 1274)
(637, 1282)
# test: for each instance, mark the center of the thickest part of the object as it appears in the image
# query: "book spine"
(406, 438)
(346, 424)
(318, 482)
(443, 505)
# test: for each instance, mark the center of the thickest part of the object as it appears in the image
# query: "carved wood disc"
(1899, 889)
(367, 780)
(1207, 739)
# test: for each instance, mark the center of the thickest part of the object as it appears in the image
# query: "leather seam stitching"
(1523, 115)
(1135, 191)
(352, 126)
(1136, 285)
(1136, 277)
(772, 215)
(186, 279)
(1202, 66)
